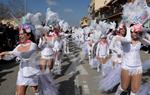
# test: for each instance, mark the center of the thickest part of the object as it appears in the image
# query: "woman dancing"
(23, 52)
(131, 68)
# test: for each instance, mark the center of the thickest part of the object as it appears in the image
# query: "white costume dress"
(47, 48)
(131, 58)
(116, 48)
(102, 50)
(58, 46)
(24, 77)
(113, 77)
(46, 83)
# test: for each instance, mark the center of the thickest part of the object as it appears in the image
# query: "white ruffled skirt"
(27, 81)
(47, 85)
(111, 79)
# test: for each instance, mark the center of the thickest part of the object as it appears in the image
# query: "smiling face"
(136, 31)
(135, 35)
(122, 31)
(23, 36)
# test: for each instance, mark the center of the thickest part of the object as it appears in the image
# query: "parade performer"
(66, 42)
(114, 63)
(131, 68)
(47, 85)
(90, 45)
(58, 46)
(102, 52)
(116, 46)
(27, 74)
(46, 44)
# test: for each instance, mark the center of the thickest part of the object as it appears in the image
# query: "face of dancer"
(23, 36)
(103, 39)
(135, 35)
(46, 33)
(122, 31)
(136, 31)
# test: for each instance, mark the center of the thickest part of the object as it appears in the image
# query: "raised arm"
(7, 55)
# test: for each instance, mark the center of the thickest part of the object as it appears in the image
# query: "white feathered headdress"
(136, 12)
(51, 17)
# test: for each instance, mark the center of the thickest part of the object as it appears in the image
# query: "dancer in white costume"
(116, 46)
(46, 44)
(131, 69)
(114, 64)
(90, 45)
(58, 46)
(27, 74)
(66, 42)
(102, 52)
(46, 83)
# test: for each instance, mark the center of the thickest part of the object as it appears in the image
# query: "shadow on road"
(4, 67)
(69, 87)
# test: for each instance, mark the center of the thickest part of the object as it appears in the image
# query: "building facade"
(110, 10)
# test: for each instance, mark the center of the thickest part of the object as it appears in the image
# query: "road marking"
(86, 89)
(77, 89)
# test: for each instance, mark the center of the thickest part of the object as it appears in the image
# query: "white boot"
(119, 90)
(37, 93)
(131, 93)
(103, 70)
(98, 68)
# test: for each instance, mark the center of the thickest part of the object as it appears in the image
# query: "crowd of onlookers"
(8, 36)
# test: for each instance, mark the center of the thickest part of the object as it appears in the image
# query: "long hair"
(32, 37)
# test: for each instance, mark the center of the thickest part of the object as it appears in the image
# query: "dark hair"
(125, 30)
(32, 38)
(132, 24)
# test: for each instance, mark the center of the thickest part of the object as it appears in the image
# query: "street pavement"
(77, 77)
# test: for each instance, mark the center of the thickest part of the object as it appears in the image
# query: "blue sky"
(69, 10)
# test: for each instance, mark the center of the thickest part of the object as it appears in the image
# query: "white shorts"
(30, 81)
(102, 56)
(132, 70)
(47, 57)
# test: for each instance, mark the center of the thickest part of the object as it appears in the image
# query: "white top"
(102, 49)
(116, 45)
(27, 59)
(25, 55)
(57, 45)
(131, 56)
(46, 46)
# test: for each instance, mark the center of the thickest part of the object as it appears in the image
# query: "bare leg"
(98, 66)
(35, 90)
(21, 90)
(135, 83)
(125, 79)
(50, 64)
(42, 64)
